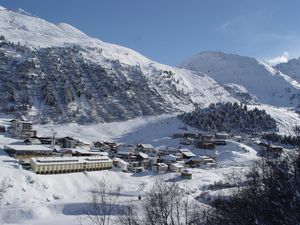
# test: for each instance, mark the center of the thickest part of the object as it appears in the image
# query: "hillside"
(249, 78)
(231, 118)
(56, 73)
(291, 68)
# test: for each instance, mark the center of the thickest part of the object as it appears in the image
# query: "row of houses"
(203, 140)
(50, 155)
(140, 157)
(269, 150)
(202, 135)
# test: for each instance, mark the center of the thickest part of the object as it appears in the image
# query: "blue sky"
(169, 31)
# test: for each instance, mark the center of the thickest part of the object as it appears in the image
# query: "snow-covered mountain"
(242, 75)
(57, 73)
(291, 68)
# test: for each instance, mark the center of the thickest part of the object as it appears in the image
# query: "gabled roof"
(145, 145)
(143, 155)
(162, 165)
(68, 138)
(187, 152)
(177, 165)
(169, 157)
(32, 140)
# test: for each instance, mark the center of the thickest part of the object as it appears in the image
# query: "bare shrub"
(168, 204)
(103, 204)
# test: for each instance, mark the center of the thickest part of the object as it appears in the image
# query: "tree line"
(230, 117)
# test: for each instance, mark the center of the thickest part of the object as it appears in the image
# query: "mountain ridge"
(72, 77)
(267, 84)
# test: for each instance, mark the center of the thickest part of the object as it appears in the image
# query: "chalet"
(167, 151)
(238, 138)
(78, 151)
(148, 148)
(186, 154)
(176, 167)
(27, 151)
(196, 161)
(67, 142)
(168, 159)
(211, 165)
(135, 167)
(125, 151)
(186, 141)
(179, 156)
(85, 152)
(205, 144)
(186, 174)
(270, 150)
(275, 148)
(112, 145)
(32, 141)
(132, 158)
(55, 165)
(263, 146)
(46, 140)
(152, 160)
(220, 142)
(101, 146)
(205, 136)
(143, 158)
(274, 151)
(22, 129)
(222, 135)
(81, 143)
(208, 160)
(190, 135)
(160, 168)
(121, 164)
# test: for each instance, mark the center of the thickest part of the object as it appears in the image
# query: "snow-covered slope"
(267, 84)
(291, 68)
(60, 199)
(56, 72)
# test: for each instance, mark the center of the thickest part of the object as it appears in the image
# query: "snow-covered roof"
(146, 145)
(143, 155)
(169, 157)
(33, 140)
(162, 165)
(177, 165)
(200, 158)
(121, 161)
(187, 152)
(70, 160)
(186, 171)
(222, 134)
(81, 150)
(28, 148)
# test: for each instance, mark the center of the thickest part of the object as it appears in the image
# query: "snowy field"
(285, 118)
(62, 199)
